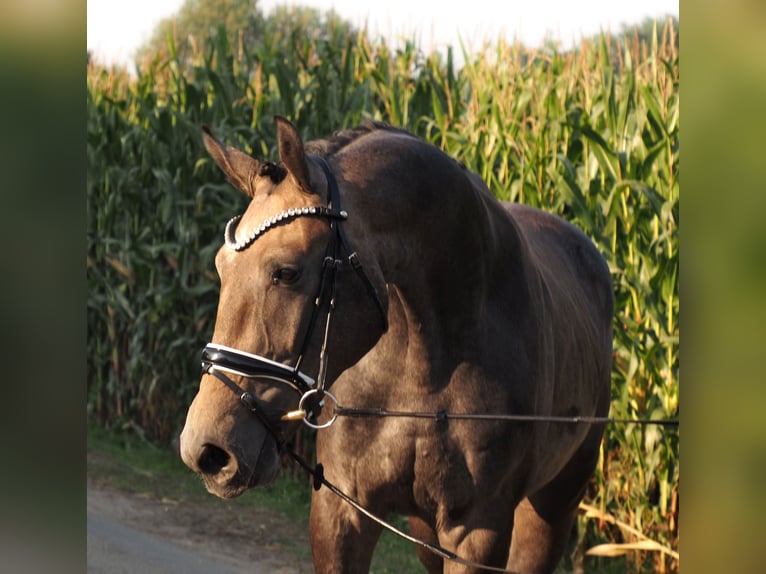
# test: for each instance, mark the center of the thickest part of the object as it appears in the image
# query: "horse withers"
(374, 267)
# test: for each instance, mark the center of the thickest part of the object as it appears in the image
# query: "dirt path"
(129, 532)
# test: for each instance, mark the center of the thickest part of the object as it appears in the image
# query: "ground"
(239, 539)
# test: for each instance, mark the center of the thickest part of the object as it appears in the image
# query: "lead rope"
(380, 412)
(319, 480)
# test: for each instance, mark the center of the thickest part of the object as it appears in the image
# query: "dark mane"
(342, 138)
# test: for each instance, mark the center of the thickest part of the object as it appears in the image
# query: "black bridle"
(218, 360)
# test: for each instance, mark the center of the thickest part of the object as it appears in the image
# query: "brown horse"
(442, 299)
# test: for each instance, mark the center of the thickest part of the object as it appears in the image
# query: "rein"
(319, 480)
(377, 412)
(219, 360)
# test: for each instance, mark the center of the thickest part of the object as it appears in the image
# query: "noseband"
(218, 360)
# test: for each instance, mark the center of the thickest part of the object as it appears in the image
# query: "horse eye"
(285, 275)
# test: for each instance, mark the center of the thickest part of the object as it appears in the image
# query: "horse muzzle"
(229, 472)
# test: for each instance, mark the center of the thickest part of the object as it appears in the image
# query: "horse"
(370, 269)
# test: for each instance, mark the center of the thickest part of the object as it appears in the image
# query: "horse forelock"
(275, 172)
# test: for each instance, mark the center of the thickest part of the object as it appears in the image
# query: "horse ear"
(292, 154)
(240, 168)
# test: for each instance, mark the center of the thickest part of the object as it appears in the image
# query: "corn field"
(591, 134)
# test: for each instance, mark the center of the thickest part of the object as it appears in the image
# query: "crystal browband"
(282, 217)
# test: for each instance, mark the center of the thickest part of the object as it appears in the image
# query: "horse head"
(285, 269)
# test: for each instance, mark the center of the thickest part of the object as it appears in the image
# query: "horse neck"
(445, 244)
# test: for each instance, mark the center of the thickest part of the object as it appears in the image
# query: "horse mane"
(342, 138)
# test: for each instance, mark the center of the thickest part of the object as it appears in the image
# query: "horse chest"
(442, 477)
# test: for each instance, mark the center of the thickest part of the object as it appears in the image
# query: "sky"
(116, 28)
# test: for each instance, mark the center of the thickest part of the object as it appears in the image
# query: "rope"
(444, 415)
(319, 480)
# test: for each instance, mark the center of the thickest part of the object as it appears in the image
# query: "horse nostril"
(212, 460)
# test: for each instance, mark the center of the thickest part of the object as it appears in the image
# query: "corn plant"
(591, 134)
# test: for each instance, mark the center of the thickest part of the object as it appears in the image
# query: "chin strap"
(252, 404)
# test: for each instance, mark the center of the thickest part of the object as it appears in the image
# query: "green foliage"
(197, 21)
(644, 32)
(591, 134)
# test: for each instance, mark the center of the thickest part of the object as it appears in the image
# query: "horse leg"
(423, 531)
(480, 537)
(342, 539)
(543, 521)
(538, 543)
